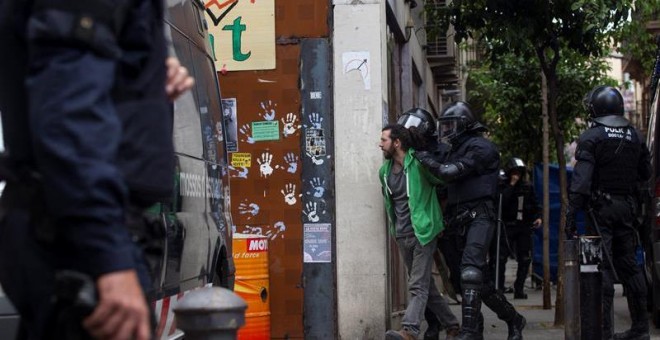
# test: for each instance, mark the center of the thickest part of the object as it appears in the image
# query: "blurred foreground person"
(87, 127)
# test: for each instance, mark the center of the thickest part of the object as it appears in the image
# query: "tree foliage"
(636, 41)
(506, 94)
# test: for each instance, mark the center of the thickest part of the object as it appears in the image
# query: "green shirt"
(425, 212)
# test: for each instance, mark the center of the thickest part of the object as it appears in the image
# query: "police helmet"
(515, 163)
(456, 119)
(419, 118)
(605, 106)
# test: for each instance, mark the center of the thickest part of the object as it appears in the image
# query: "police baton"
(602, 246)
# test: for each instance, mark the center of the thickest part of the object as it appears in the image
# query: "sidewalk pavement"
(540, 322)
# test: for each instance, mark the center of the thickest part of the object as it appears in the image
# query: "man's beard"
(388, 153)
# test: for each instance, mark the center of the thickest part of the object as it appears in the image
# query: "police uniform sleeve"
(481, 157)
(76, 131)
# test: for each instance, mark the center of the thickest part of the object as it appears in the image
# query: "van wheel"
(219, 279)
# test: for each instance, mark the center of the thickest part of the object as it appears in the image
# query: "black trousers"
(514, 240)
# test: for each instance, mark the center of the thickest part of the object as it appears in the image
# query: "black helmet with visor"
(419, 118)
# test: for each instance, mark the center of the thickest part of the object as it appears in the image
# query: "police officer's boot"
(505, 311)
(639, 329)
(472, 326)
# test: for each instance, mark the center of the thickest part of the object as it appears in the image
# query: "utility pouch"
(462, 220)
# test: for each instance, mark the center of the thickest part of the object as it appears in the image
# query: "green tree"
(505, 94)
(511, 26)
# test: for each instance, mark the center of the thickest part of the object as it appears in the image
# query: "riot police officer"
(611, 160)
(520, 213)
(88, 132)
(471, 171)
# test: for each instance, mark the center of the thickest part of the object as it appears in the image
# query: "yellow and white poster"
(242, 33)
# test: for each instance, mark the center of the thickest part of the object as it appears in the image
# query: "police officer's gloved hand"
(571, 228)
(422, 155)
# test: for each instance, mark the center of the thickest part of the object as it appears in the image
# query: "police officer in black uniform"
(612, 160)
(88, 128)
(471, 171)
(424, 131)
(520, 213)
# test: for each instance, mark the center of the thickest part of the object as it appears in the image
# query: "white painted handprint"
(310, 212)
(317, 160)
(292, 160)
(241, 172)
(289, 126)
(264, 164)
(289, 193)
(318, 187)
(316, 120)
(246, 131)
(268, 110)
(278, 229)
(251, 209)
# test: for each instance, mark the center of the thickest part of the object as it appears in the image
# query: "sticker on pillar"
(265, 130)
(317, 243)
(358, 62)
(315, 145)
(231, 124)
(590, 253)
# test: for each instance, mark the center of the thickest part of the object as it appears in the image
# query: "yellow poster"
(242, 33)
(241, 159)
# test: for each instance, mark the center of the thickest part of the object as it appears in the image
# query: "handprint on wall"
(246, 132)
(250, 209)
(318, 187)
(289, 126)
(277, 230)
(241, 172)
(310, 212)
(264, 164)
(292, 160)
(268, 110)
(316, 120)
(289, 193)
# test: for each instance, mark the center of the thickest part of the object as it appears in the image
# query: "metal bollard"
(211, 313)
(591, 288)
(572, 290)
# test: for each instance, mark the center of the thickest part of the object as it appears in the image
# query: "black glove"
(571, 228)
(422, 155)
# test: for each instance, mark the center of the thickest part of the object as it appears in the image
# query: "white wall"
(359, 26)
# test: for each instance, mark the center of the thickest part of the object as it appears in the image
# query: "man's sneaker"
(519, 295)
(399, 335)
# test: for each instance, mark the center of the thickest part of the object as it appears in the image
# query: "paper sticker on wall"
(265, 130)
(317, 243)
(241, 159)
(229, 112)
(358, 62)
(314, 142)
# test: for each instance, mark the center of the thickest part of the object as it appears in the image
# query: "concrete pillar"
(360, 101)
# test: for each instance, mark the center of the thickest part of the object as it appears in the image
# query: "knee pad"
(471, 277)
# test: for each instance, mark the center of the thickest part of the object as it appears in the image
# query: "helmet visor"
(448, 128)
(409, 121)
